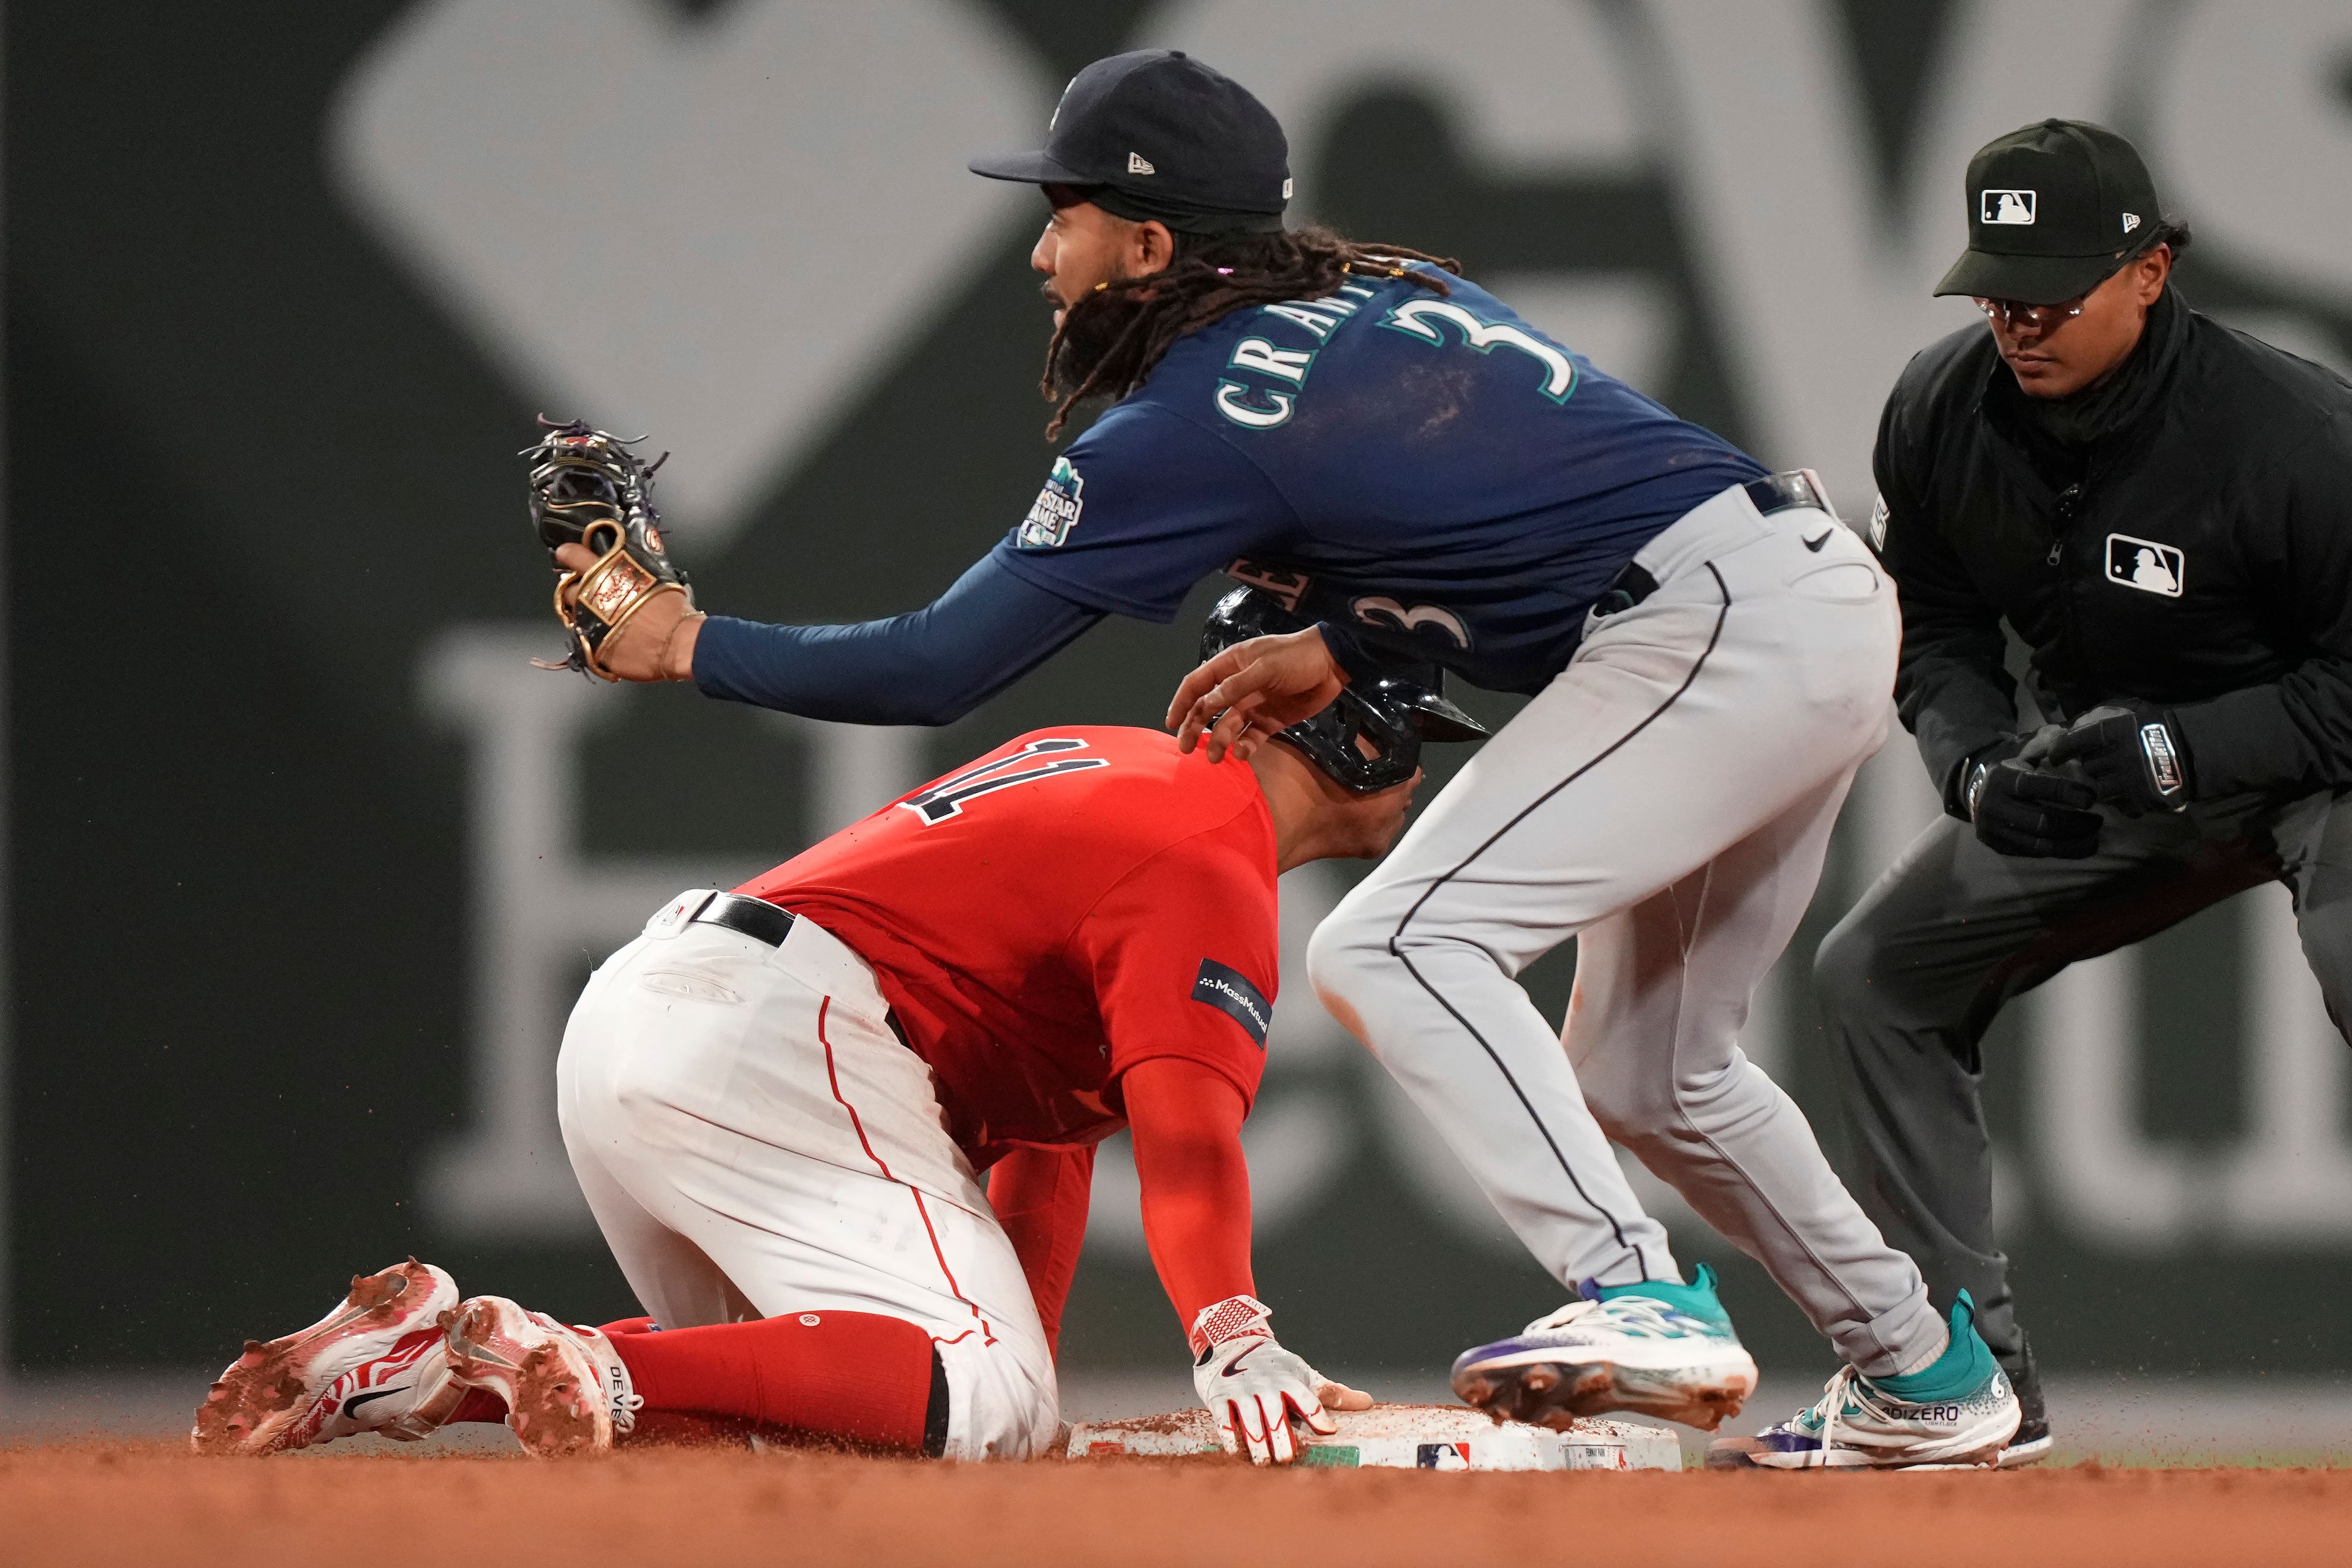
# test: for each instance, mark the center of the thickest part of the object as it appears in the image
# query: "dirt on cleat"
(548, 1408)
(253, 1407)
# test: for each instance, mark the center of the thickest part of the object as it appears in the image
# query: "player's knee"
(1000, 1405)
(1850, 974)
(1630, 1105)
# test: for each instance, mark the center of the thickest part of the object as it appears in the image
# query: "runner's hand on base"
(1256, 1389)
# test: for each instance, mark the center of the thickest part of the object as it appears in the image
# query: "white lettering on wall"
(541, 911)
(2286, 1178)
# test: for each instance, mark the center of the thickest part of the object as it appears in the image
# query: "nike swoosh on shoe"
(356, 1400)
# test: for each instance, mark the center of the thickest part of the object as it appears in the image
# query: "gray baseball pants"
(1667, 800)
(1912, 976)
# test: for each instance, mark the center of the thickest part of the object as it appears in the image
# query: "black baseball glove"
(2132, 752)
(2018, 809)
(588, 488)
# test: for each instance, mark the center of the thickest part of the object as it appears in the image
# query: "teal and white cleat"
(1653, 1348)
(1958, 1413)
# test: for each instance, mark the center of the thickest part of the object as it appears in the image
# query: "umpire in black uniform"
(2161, 509)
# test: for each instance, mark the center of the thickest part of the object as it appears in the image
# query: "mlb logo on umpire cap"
(2006, 207)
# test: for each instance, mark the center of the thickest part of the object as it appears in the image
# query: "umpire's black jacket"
(2188, 542)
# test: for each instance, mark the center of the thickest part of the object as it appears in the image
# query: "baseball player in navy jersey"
(1415, 471)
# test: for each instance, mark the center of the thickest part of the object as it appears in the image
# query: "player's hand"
(655, 643)
(1254, 689)
(1256, 1389)
(2133, 754)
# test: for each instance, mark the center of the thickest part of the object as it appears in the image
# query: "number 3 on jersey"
(1420, 319)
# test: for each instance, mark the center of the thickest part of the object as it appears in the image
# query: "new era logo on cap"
(2007, 207)
(1136, 163)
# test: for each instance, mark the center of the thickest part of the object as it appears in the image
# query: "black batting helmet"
(1370, 737)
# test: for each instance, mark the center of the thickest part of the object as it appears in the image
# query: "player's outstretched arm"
(1186, 1121)
(1253, 690)
(931, 666)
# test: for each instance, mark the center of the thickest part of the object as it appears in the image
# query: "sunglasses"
(2019, 317)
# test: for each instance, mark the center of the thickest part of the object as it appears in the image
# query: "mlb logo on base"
(1441, 1457)
(2006, 207)
(2145, 564)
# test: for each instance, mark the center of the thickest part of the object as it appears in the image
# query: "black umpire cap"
(2054, 210)
(1156, 134)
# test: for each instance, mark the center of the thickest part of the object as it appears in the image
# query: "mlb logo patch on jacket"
(2145, 564)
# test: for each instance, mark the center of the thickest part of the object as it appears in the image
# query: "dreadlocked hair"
(1109, 341)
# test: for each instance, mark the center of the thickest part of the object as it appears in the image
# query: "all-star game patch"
(1056, 510)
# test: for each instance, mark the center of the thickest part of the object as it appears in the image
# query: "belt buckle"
(1814, 493)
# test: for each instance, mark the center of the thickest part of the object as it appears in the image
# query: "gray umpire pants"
(1912, 976)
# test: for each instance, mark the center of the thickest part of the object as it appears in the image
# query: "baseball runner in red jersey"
(780, 1102)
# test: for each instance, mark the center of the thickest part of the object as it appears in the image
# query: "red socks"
(478, 1405)
(859, 1376)
(855, 1376)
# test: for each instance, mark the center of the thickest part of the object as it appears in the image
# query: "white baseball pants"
(754, 1140)
(1667, 800)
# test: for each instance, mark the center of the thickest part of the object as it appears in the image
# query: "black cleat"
(2032, 1443)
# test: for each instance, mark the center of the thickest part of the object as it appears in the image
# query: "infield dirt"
(94, 1506)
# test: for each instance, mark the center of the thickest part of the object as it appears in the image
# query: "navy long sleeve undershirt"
(931, 666)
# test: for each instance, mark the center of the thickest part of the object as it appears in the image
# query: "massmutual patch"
(1056, 510)
(1230, 992)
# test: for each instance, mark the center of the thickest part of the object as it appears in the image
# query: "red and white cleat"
(567, 1392)
(376, 1363)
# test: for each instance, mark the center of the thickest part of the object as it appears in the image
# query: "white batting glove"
(1256, 1389)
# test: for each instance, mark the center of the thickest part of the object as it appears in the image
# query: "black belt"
(1779, 493)
(1773, 492)
(763, 921)
(755, 918)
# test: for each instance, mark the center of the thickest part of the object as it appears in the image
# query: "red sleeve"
(1040, 1199)
(1184, 954)
(1187, 1124)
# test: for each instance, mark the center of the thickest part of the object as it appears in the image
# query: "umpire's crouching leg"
(1905, 996)
(2317, 833)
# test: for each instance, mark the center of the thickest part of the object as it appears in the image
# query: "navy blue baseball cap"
(1155, 133)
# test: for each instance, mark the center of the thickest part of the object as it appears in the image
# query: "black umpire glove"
(2019, 810)
(2133, 754)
